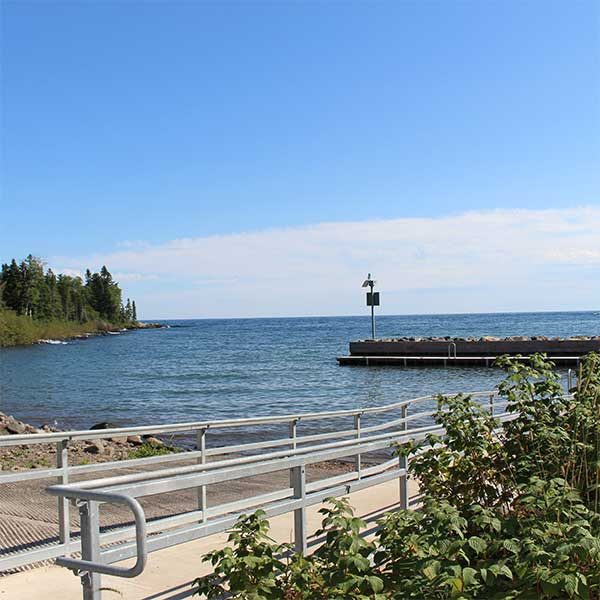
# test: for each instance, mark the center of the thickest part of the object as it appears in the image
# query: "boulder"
(15, 427)
(154, 442)
(135, 440)
(94, 447)
(119, 440)
(104, 425)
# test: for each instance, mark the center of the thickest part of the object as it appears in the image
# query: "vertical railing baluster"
(90, 547)
(569, 380)
(492, 404)
(201, 445)
(64, 523)
(293, 429)
(403, 464)
(298, 481)
(358, 457)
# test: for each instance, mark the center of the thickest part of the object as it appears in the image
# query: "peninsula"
(37, 304)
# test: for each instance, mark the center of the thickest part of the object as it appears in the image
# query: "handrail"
(140, 534)
(94, 434)
(296, 499)
(286, 448)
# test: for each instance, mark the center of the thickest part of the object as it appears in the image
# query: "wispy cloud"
(493, 260)
(126, 277)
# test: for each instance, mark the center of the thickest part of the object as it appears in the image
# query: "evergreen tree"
(128, 311)
(28, 290)
(11, 293)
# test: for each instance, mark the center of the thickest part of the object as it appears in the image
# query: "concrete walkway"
(170, 572)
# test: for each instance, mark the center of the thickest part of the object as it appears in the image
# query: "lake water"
(217, 369)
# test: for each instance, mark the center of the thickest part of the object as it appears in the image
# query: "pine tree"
(28, 289)
(11, 278)
(128, 311)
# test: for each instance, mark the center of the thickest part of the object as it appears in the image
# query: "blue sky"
(131, 126)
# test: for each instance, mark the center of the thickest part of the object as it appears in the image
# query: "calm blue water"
(215, 369)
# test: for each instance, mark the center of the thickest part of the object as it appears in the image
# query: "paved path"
(169, 572)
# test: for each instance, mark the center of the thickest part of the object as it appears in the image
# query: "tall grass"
(18, 330)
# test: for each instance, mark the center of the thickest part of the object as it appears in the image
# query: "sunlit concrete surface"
(170, 572)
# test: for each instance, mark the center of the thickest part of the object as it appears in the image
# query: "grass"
(19, 330)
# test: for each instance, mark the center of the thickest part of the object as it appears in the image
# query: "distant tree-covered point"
(36, 303)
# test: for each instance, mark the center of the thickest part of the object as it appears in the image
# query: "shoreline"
(40, 456)
(63, 331)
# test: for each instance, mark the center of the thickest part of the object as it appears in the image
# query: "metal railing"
(293, 452)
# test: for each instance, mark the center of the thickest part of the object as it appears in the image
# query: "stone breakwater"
(16, 458)
(486, 338)
(472, 351)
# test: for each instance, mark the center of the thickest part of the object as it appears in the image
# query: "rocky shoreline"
(40, 456)
(104, 329)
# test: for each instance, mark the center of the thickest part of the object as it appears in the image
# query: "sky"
(236, 159)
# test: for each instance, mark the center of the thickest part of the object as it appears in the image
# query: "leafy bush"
(510, 511)
(17, 330)
(147, 450)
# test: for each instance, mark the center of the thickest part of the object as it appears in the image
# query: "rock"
(154, 442)
(119, 440)
(136, 440)
(104, 425)
(15, 427)
(94, 447)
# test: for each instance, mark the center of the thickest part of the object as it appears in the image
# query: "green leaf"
(468, 576)
(478, 544)
(376, 583)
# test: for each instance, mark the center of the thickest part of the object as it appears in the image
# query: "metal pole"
(403, 464)
(62, 462)
(372, 312)
(298, 480)
(358, 456)
(201, 445)
(90, 548)
(293, 432)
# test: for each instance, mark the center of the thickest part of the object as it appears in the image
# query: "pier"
(461, 352)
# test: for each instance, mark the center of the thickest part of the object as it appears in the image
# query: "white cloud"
(493, 260)
(126, 277)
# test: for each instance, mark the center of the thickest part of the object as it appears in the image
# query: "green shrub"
(510, 511)
(18, 330)
(146, 450)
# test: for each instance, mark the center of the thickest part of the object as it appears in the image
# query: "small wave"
(54, 342)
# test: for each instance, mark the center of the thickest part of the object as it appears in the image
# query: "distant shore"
(23, 331)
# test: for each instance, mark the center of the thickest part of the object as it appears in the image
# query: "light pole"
(372, 301)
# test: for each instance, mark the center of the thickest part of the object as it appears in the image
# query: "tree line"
(30, 290)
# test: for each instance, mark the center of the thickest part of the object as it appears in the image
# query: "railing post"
(358, 456)
(90, 547)
(492, 404)
(569, 380)
(298, 481)
(403, 464)
(201, 445)
(293, 425)
(64, 524)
